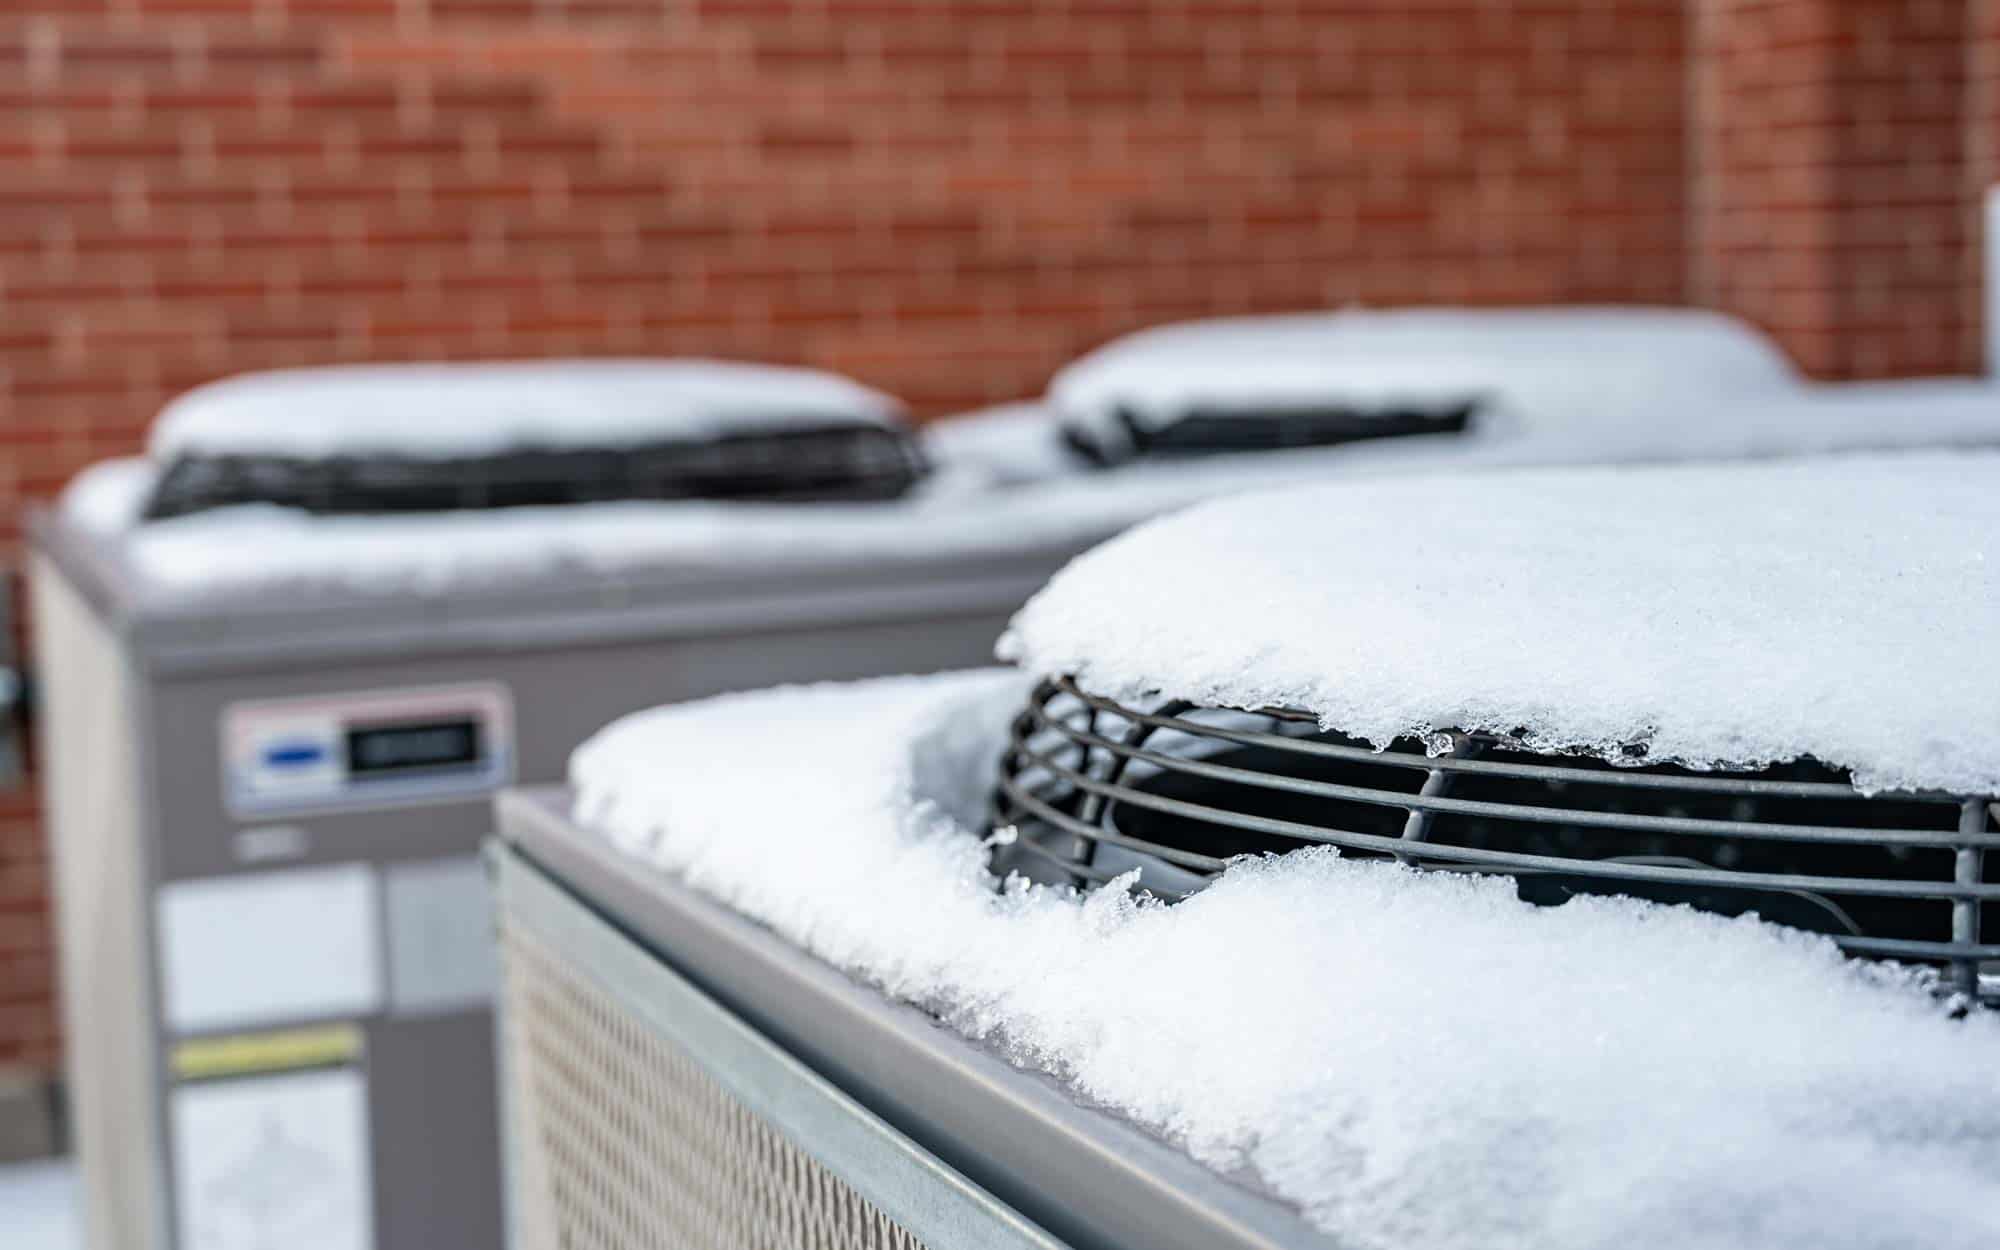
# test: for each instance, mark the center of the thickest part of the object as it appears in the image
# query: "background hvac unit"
(265, 815)
(675, 1075)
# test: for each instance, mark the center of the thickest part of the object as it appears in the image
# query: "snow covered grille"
(824, 463)
(624, 1142)
(1217, 431)
(1094, 789)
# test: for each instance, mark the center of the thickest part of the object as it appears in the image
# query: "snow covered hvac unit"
(1583, 375)
(266, 799)
(676, 1075)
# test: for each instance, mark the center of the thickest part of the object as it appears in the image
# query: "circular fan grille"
(1092, 789)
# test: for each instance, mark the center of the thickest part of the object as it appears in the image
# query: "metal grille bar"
(1424, 762)
(1178, 790)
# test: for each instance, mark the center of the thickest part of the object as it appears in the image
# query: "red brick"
(798, 139)
(373, 9)
(27, 979)
(93, 51)
(230, 52)
(586, 10)
(22, 102)
(1865, 195)
(550, 51)
(369, 50)
(363, 100)
(185, 8)
(432, 146)
(510, 100)
(163, 102)
(544, 144)
(606, 189)
(446, 10)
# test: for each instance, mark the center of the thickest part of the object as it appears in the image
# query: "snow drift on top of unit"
(108, 499)
(1531, 367)
(1840, 608)
(1004, 445)
(445, 411)
(953, 515)
(1822, 417)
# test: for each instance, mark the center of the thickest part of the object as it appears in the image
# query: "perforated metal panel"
(636, 1146)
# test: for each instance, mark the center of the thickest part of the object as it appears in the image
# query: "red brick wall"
(946, 205)
(1983, 130)
(945, 197)
(1831, 172)
(27, 956)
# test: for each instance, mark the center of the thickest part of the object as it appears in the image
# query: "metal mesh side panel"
(624, 1142)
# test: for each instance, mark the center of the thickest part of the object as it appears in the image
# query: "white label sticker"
(271, 947)
(274, 1161)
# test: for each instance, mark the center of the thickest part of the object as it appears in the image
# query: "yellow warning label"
(243, 1054)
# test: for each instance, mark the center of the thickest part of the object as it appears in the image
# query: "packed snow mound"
(1008, 444)
(109, 498)
(1720, 614)
(1531, 367)
(1826, 417)
(449, 410)
(1414, 1060)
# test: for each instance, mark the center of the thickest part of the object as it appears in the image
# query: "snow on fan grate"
(632, 1145)
(1093, 789)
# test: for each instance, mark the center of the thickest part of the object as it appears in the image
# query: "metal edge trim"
(98, 575)
(907, 1183)
(178, 635)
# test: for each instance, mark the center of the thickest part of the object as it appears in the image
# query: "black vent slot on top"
(822, 463)
(1211, 431)
(1091, 789)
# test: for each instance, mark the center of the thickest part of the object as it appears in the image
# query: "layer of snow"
(957, 513)
(43, 1200)
(109, 498)
(441, 411)
(1842, 608)
(1530, 367)
(1008, 444)
(1834, 416)
(261, 548)
(1418, 1062)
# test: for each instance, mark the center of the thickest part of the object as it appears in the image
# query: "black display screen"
(373, 750)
